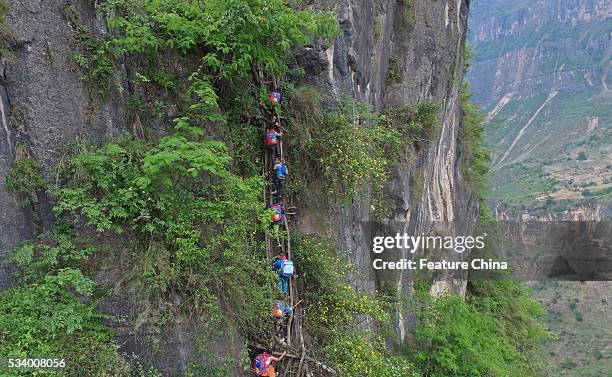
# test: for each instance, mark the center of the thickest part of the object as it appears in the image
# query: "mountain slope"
(541, 70)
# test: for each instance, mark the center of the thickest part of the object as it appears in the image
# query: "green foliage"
(92, 55)
(356, 356)
(198, 219)
(50, 313)
(476, 155)
(582, 156)
(333, 306)
(25, 179)
(331, 302)
(51, 251)
(579, 316)
(603, 192)
(7, 35)
(493, 332)
(234, 35)
(348, 151)
(357, 151)
(417, 124)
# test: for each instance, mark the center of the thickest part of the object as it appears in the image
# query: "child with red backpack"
(272, 139)
(263, 364)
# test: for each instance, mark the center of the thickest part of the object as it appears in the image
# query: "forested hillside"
(541, 69)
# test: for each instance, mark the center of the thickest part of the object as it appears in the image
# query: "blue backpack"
(281, 172)
(286, 268)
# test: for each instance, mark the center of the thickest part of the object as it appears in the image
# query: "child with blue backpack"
(280, 173)
(284, 268)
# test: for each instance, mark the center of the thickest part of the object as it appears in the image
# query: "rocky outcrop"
(398, 53)
(44, 102)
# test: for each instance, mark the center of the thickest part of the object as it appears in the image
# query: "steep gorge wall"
(390, 53)
(535, 46)
(397, 53)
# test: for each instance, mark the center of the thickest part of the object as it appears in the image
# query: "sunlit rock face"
(398, 53)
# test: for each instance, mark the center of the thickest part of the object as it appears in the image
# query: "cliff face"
(397, 53)
(44, 106)
(390, 53)
(533, 47)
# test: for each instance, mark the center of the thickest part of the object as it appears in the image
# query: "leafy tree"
(51, 312)
(493, 332)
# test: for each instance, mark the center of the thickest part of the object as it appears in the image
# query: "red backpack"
(261, 363)
(271, 137)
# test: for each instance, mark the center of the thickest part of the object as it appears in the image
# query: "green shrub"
(7, 35)
(331, 302)
(333, 306)
(582, 156)
(25, 179)
(191, 213)
(579, 316)
(416, 124)
(493, 331)
(92, 55)
(354, 355)
(51, 312)
(357, 151)
(351, 148)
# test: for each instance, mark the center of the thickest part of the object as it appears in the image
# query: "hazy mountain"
(541, 70)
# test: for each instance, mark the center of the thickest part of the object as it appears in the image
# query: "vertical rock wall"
(391, 52)
(44, 105)
(397, 53)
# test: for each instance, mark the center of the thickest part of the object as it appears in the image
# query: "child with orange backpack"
(263, 364)
(280, 313)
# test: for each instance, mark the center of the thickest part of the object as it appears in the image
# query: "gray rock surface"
(397, 53)
(390, 53)
(45, 104)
